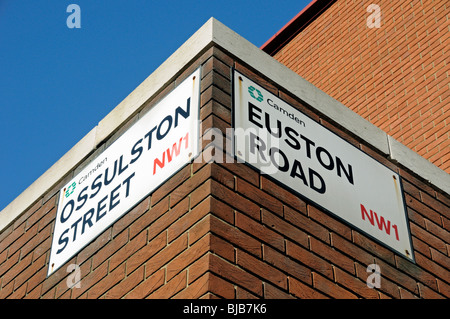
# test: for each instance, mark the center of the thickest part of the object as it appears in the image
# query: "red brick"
(309, 259)
(198, 268)
(386, 286)
(257, 195)
(189, 185)
(131, 216)
(187, 257)
(261, 269)
(284, 228)
(188, 220)
(41, 212)
(109, 249)
(302, 291)
(432, 267)
(428, 238)
(235, 236)
(437, 230)
(422, 209)
(329, 222)
(170, 184)
(330, 288)
(16, 270)
(306, 224)
(231, 272)
(165, 220)
(287, 264)
(222, 248)
(149, 285)
(283, 195)
(351, 249)
(93, 247)
(90, 280)
(273, 292)
(170, 288)
(366, 73)
(354, 284)
(128, 250)
(373, 247)
(196, 289)
(235, 200)
(107, 282)
(28, 272)
(443, 288)
(427, 293)
(145, 253)
(165, 255)
(332, 255)
(126, 285)
(259, 231)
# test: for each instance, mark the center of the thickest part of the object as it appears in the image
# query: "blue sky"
(57, 83)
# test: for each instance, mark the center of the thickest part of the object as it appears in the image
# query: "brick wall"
(221, 230)
(395, 76)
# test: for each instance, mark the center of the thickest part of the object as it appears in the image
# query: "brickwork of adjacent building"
(396, 76)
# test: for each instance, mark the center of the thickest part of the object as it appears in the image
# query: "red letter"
(382, 224)
(175, 151)
(157, 161)
(364, 211)
(396, 232)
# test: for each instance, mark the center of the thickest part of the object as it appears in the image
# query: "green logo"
(252, 90)
(70, 189)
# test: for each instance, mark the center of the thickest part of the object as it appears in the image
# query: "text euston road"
(280, 141)
(149, 152)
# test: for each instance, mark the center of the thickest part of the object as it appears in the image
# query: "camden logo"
(252, 90)
(70, 189)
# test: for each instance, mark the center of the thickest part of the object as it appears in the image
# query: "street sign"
(315, 163)
(153, 149)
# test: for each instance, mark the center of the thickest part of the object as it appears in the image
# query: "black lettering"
(330, 165)
(96, 185)
(87, 219)
(137, 151)
(149, 136)
(348, 173)
(168, 119)
(183, 113)
(127, 182)
(293, 142)
(113, 197)
(260, 146)
(252, 114)
(313, 185)
(72, 204)
(308, 144)
(108, 181)
(269, 127)
(63, 240)
(121, 169)
(297, 171)
(272, 152)
(74, 226)
(82, 197)
(101, 207)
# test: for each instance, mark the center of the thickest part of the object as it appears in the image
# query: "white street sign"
(315, 163)
(153, 149)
